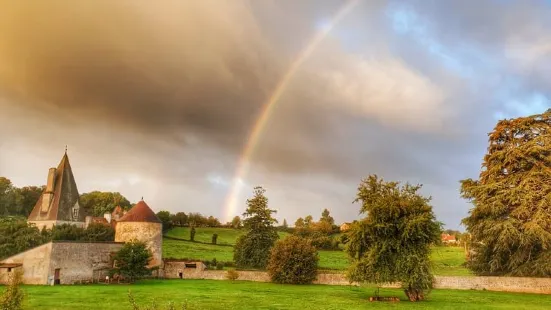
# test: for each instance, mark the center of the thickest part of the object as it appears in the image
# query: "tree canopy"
(16, 201)
(98, 203)
(252, 249)
(392, 243)
(132, 260)
(510, 223)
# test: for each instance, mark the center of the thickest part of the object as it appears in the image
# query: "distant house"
(447, 238)
(344, 227)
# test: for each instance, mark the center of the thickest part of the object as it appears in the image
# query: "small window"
(9, 269)
(75, 213)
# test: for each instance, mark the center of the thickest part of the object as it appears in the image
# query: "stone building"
(141, 223)
(59, 203)
(68, 262)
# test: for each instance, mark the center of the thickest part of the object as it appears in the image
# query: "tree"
(236, 222)
(285, 225)
(299, 223)
(252, 249)
(165, 218)
(179, 219)
(98, 232)
(98, 203)
(214, 238)
(293, 260)
(325, 217)
(308, 221)
(192, 233)
(510, 224)
(392, 243)
(132, 260)
(7, 197)
(16, 236)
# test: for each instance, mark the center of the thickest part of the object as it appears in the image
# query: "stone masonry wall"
(80, 261)
(502, 284)
(150, 233)
(36, 263)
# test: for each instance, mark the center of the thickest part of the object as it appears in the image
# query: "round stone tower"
(141, 223)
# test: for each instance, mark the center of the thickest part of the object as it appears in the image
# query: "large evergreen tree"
(392, 243)
(510, 223)
(252, 249)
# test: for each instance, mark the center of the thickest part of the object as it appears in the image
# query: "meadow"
(447, 261)
(212, 294)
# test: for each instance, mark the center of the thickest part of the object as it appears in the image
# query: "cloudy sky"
(159, 99)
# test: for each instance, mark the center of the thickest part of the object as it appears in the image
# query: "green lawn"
(211, 294)
(226, 236)
(447, 261)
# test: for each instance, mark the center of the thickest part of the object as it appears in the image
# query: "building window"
(9, 269)
(75, 213)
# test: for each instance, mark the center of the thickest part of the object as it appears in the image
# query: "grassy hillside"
(446, 260)
(211, 294)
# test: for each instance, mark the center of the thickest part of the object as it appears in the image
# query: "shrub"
(232, 275)
(214, 238)
(13, 296)
(293, 260)
(132, 260)
(192, 233)
(220, 266)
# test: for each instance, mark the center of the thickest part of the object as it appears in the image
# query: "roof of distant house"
(141, 212)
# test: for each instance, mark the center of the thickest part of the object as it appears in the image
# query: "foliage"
(510, 223)
(214, 238)
(166, 220)
(179, 219)
(12, 298)
(236, 222)
(293, 260)
(16, 201)
(392, 243)
(327, 218)
(16, 235)
(94, 232)
(98, 203)
(198, 220)
(232, 275)
(252, 250)
(132, 260)
(285, 225)
(192, 233)
(299, 223)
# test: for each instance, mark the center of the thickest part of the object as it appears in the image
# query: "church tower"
(59, 203)
(141, 223)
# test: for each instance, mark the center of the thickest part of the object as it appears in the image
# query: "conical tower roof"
(60, 199)
(141, 212)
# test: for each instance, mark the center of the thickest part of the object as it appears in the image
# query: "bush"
(322, 242)
(220, 266)
(132, 260)
(192, 233)
(293, 260)
(214, 238)
(12, 299)
(232, 275)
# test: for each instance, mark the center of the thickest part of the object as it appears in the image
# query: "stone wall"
(80, 261)
(36, 263)
(150, 233)
(501, 284)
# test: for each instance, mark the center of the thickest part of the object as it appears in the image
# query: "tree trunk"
(414, 294)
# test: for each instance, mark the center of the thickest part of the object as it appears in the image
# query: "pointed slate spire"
(60, 199)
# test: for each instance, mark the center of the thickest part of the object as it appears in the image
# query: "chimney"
(51, 181)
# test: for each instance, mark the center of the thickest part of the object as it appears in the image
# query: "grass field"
(211, 294)
(446, 260)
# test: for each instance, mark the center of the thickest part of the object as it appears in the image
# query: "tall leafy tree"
(510, 224)
(98, 203)
(236, 222)
(7, 197)
(326, 217)
(252, 249)
(392, 243)
(16, 235)
(26, 198)
(166, 220)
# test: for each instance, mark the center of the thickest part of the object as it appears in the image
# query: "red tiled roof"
(140, 213)
(446, 237)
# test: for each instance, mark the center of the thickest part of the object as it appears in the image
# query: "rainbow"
(231, 201)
